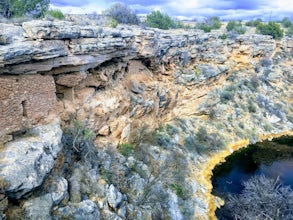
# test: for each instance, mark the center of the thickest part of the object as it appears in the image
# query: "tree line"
(122, 14)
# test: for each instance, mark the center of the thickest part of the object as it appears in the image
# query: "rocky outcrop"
(161, 106)
(26, 161)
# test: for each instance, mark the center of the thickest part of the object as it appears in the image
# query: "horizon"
(198, 10)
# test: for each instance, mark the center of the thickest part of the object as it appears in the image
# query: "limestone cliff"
(183, 99)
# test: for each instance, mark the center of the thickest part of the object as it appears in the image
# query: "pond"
(273, 159)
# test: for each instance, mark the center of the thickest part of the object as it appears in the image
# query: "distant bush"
(122, 14)
(272, 28)
(209, 24)
(158, 20)
(204, 27)
(286, 22)
(214, 22)
(18, 8)
(262, 198)
(179, 24)
(55, 13)
(235, 26)
(253, 23)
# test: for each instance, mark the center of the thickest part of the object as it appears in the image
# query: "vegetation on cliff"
(272, 28)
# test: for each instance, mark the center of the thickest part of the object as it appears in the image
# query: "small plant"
(178, 189)
(251, 107)
(55, 13)
(80, 139)
(226, 96)
(223, 36)
(126, 149)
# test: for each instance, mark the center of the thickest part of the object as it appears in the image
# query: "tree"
(262, 198)
(286, 22)
(158, 20)
(122, 14)
(253, 23)
(17, 8)
(272, 28)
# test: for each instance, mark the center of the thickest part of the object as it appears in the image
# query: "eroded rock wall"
(198, 91)
(25, 100)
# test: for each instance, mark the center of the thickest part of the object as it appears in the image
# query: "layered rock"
(26, 161)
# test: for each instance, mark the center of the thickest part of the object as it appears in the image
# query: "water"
(273, 159)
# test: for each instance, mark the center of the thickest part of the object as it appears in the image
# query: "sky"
(189, 9)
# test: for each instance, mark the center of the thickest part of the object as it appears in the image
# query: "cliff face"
(198, 91)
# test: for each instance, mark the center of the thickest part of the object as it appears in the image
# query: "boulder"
(26, 161)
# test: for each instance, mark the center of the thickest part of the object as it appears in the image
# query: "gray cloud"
(226, 9)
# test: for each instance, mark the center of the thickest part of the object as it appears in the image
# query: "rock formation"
(162, 107)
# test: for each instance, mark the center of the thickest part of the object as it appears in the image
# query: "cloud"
(226, 9)
(70, 3)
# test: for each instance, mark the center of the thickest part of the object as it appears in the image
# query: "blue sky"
(226, 9)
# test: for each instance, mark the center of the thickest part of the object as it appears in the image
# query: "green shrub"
(55, 13)
(18, 8)
(79, 139)
(122, 14)
(235, 26)
(286, 22)
(253, 23)
(226, 96)
(158, 20)
(126, 149)
(251, 107)
(272, 28)
(209, 24)
(179, 190)
(204, 27)
(223, 36)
